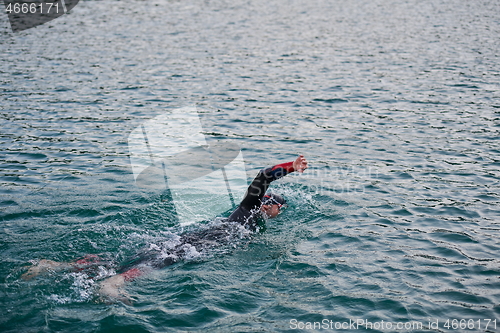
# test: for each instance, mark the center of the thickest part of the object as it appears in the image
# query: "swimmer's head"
(272, 204)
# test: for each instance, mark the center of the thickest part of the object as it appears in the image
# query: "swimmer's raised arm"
(245, 212)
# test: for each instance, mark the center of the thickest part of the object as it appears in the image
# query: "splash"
(82, 285)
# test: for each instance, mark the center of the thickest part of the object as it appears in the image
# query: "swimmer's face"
(270, 211)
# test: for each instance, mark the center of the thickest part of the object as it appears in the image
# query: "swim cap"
(273, 199)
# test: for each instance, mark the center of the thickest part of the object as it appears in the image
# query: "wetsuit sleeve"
(260, 184)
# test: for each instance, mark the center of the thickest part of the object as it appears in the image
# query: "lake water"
(396, 105)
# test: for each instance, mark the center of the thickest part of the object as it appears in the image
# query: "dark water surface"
(396, 104)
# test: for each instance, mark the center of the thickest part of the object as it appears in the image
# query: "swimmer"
(256, 204)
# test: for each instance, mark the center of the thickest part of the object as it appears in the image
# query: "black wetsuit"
(247, 215)
(248, 211)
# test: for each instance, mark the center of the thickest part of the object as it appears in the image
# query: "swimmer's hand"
(300, 164)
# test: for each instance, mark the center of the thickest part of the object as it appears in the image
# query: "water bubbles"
(79, 287)
(190, 252)
(58, 299)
